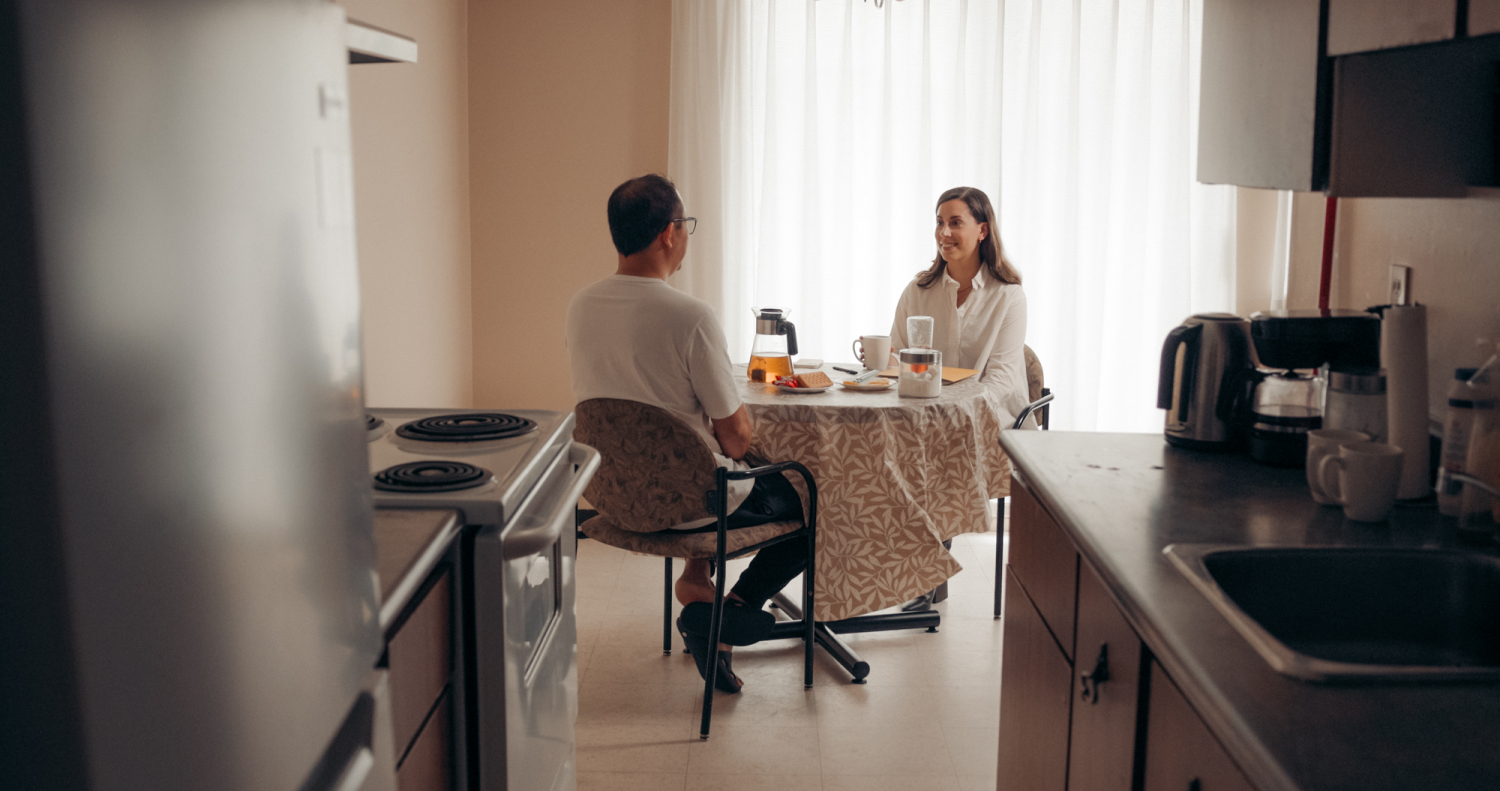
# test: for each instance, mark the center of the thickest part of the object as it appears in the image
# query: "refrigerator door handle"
(522, 543)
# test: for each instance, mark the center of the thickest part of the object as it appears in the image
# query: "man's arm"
(733, 433)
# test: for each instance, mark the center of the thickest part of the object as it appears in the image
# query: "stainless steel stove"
(515, 476)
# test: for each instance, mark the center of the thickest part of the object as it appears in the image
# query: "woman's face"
(958, 236)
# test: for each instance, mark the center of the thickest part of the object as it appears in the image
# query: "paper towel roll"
(1403, 353)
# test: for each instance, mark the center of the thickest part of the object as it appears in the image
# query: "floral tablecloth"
(896, 476)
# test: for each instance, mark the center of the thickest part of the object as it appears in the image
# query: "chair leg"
(808, 635)
(666, 612)
(715, 624)
(999, 552)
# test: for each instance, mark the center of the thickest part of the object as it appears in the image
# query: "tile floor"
(927, 719)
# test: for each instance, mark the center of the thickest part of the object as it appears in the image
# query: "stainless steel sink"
(1348, 615)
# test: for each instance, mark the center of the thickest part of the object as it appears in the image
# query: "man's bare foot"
(691, 590)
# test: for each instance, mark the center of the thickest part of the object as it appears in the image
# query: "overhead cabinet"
(369, 44)
(1365, 25)
(1263, 113)
(1372, 98)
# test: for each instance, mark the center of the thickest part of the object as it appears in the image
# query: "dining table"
(896, 476)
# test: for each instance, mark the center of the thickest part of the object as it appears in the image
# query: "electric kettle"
(1203, 363)
(775, 343)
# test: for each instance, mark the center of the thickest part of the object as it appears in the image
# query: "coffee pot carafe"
(1203, 362)
(1288, 400)
(775, 343)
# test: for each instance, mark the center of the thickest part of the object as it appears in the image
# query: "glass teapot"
(775, 343)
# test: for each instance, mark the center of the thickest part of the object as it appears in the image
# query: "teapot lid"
(769, 313)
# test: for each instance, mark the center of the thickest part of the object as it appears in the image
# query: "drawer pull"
(1100, 674)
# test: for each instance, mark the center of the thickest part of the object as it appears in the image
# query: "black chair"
(656, 473)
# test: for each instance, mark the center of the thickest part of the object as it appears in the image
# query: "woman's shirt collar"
(980, 278)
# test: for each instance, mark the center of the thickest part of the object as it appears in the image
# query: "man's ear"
(665, 238)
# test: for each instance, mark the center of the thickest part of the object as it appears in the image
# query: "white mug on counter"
(1362, 477)
(1324, 442)
(874, 351)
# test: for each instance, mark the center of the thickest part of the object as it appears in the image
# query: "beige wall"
(1452, 246)
(566, 100)
(411, 180)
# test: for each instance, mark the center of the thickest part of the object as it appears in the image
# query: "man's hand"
(733, 433)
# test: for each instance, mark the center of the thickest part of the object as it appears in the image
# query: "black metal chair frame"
(1043, 406)
(803, 628)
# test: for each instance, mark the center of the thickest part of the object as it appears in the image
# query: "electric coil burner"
(467, 427)
(431, 476)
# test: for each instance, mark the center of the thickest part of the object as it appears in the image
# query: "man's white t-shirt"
(639, 339)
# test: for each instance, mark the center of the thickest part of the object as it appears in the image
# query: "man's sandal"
(697, 645)
(741, 625)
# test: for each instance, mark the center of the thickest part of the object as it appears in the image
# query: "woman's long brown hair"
(991, 252)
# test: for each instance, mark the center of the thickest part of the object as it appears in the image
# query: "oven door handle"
(523, 543)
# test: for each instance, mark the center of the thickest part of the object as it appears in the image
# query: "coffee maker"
(1283, 398)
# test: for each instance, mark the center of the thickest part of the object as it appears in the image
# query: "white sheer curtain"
(811, 138)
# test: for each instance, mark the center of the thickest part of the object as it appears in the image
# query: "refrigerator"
(187, 585)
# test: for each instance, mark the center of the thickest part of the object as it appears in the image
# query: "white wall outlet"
(1400, 284)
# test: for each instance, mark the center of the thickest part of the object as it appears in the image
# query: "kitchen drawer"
(420, 657)
(1045, 563)
(425, 767)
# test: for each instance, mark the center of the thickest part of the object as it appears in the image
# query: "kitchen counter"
(408, 544)
(1122, 498)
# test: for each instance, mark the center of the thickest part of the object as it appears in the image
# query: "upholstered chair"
(657, 473)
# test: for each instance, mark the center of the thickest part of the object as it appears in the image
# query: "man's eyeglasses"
(690, 223)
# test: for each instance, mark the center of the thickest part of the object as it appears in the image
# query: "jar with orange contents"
(921, 373)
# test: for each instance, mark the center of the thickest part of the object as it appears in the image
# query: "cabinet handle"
(1100, 674)
(1195, 785)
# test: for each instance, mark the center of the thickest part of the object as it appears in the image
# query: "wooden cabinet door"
(1102, 756)
(1484, 17)
(1364, 25)
(1181, 755)
(1263, 109)
(1036, 685)
(426, 765)
(1044, 563)
(420, 662)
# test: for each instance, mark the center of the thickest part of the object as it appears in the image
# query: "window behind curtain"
(812, 137)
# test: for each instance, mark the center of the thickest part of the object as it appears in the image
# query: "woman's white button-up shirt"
(988, 333)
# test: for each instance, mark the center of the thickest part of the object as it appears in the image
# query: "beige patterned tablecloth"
(896, 476)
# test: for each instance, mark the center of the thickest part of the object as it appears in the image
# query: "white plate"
(799, 390)
(874, 384)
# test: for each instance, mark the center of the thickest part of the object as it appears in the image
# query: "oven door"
(526, 635)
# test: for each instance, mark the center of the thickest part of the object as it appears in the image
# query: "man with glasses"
(632, 336)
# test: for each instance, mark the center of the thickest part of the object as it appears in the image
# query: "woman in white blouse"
(975, 299)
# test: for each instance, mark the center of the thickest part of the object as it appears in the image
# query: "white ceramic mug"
(1324, 442)
(874, 351)
(1362, 477)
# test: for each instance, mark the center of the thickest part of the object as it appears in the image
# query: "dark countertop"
(1124, 497)
(408, 543)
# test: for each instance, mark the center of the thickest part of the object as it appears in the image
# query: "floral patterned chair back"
(656, 471)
